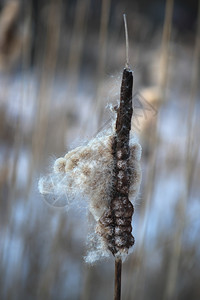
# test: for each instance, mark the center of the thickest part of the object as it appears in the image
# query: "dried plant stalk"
(107, 171)
(115, 224)
(118, 271)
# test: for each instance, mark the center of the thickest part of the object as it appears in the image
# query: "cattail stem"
(118, 271)
(115, 224)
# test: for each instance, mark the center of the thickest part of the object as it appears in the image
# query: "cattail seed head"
(107, 172)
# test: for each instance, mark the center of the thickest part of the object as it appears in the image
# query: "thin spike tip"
(127, 42)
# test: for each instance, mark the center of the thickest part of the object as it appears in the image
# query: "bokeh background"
(60, 65)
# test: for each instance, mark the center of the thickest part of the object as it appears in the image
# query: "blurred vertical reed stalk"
(25, 64)
(190, 143)
(165, 47)
(103, 36)
(46, 83)
(96, 106)
(76, 45)
(152, 160)
(191, 155)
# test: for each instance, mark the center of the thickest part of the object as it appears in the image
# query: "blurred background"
(60, 65)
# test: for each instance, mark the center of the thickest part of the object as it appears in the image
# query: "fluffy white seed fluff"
(87, 170)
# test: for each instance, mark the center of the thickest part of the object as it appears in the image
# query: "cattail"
(106, 171)
(115, 224)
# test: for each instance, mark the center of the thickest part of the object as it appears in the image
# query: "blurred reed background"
(60, 64)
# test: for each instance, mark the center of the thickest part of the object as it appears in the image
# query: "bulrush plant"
(107, 173)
